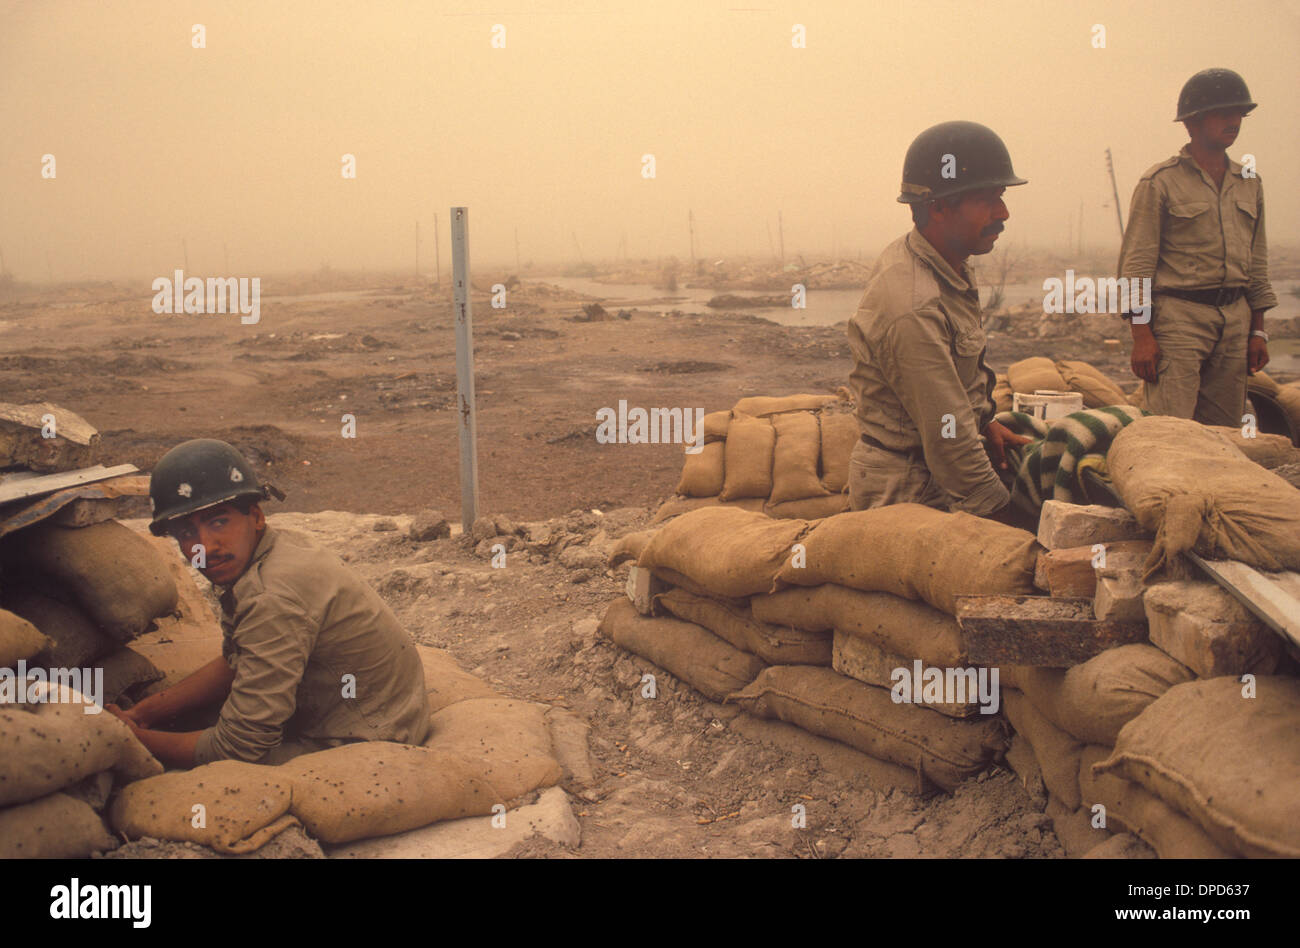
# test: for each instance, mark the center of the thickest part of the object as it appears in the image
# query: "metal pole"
(467, 417)
(1114, 189)
(437, 254)
(417, 253)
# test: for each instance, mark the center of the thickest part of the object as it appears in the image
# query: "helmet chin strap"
(270, 490)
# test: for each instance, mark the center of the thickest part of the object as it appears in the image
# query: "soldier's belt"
(914, 454)
(1223, 296)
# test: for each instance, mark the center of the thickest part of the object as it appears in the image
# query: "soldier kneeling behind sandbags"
(311, 656)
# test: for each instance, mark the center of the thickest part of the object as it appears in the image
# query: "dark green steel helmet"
(953, 157)
(1213, 89)
(199, 474)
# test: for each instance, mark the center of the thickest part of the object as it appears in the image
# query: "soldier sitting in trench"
(311, 656)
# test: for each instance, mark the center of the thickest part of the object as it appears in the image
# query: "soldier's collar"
(1185, 155)
(919, 245)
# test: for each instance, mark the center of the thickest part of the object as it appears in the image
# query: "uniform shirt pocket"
(1242, 231)
(1191, 227)
(966, 347)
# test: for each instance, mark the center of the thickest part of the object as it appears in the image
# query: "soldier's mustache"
(996, 227)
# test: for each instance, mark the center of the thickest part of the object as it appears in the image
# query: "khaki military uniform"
(294, 624)
(921, 385)
(1184, 233)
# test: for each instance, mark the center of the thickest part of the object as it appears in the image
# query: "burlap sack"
(126, 673)
(729, 553)
(1057, 752)
(795, 457)
(1029, 375)
(716, 424)
(916, 552)
(376, 788)
(506, 743)
(115, 575)
(74, 639)
(1230, 763)
(676, 580)
(691, 652)
(1266, 450)
(53, 827)
(19, 639)
(182, 642)
(810, 508)
(1003, 395)
(1195, 491)
(702, 472)
(628, 547)
(864, 659)
(1097, 390)
(676, 506)
(1092, 701)
(774, 644)
(823, 702)
(446, 682)
(1288, 396)
(243, 806)
(899, 625)
(763, 405)
(1262, 382)
(1130, 808)
(50, 746)
(840, 432)
(747, 461)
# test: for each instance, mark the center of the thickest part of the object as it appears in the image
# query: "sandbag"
(1288, 396)
(244, 806)
(19, 639)
(747, 459)
(694, 654)
(376, 788)
(729, 553)
(1196, 491)
(446, 682)
(184, 641)
(912, 629)
(776, 645)
(75, 641)
(1057, 752)
(826, 703)
(839, 433)
(1262, 382)
(1230, 763)
(505, 742)
(795, 457)
(1266, 450)
(810, 508)
(916, 552)
(676, 506)
(1097, 390)
(1131, 808)
(865, 660)
(628, 547)
(678, 581)
(702, 471)
(1003, 395)
(53, 827)
(126, 672)
(1093, 700)
(1037, 372)
(46, 747)
(115, 575)
(716, 424)
(763, 405)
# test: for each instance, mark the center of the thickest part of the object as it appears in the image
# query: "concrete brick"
(642, 587)
(1067, 572)
(1120, 597)
(1205, 628)
(1038, 630)
(1063, 525)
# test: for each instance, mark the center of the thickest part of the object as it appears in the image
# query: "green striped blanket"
(1047, 468)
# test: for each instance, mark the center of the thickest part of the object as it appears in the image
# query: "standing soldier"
(922, 389)
(1196, 229)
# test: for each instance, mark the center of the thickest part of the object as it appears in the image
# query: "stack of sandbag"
(484, 750)
(772, 603)
(786, 456)
(61, 756)
(89, 591)
(1039, 373)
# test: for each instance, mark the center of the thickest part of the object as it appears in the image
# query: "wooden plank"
(1043, 631)
(24, 485)
(1273, 597)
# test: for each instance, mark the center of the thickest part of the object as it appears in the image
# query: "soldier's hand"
(1000, 437)
(1256, 354)
(1146, 356)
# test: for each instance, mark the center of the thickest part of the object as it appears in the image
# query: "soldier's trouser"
(878, 478)
(1201, 373)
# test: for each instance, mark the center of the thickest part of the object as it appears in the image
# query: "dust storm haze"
(237, 146)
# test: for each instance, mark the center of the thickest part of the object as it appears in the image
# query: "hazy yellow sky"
(238, 145)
